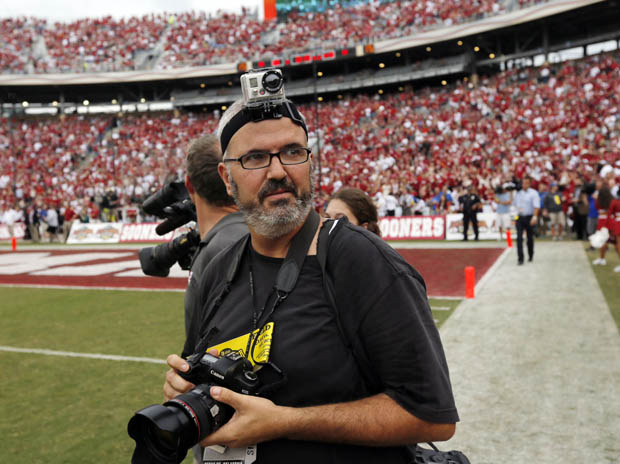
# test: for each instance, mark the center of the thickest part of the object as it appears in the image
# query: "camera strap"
(285, 280)
(287, 276)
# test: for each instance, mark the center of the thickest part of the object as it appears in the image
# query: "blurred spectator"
(552, 209)
(470, 206)
(356, 206)
(503, 198)
(609, 218)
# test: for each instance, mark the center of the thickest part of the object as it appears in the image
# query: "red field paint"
(442, 269)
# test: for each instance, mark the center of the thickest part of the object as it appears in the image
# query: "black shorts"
(52, 229)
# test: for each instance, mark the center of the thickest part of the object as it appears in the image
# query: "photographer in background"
(219, 221)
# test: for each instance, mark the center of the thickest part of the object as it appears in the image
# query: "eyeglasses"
(261, 159)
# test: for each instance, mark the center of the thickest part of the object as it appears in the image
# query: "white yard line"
(71, 354)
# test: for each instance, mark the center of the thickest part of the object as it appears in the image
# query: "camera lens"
(272, 81)
(164, 433)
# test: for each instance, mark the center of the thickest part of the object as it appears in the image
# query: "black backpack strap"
(237, 252)
(325, 237)
(329, 230)
(291, 267)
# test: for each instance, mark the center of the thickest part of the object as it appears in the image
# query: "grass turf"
(75, 410)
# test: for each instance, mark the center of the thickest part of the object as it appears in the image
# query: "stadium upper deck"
(161, 41)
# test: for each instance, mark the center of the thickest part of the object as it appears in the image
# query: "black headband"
(286, 109)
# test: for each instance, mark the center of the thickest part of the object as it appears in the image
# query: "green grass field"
(58, 409)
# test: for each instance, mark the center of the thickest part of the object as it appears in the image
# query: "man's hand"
(533, 220)
(372, 421)
(175, 384)
(255, 420)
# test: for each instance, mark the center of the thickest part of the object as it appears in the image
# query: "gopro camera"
(262, 88)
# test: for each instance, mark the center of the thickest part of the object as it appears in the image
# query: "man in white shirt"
(52, 223)
(527, 202)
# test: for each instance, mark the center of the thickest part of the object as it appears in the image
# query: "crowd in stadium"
(33, 45)
(558, 123)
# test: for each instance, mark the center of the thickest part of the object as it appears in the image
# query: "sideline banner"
(96, 232)
(18, 231)
(413, 228)
(487, 227)
(144, 232)
(116, 232)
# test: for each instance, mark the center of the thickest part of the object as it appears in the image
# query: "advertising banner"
(413, 228)
(100, 232)
(143, 232)
(487, 227)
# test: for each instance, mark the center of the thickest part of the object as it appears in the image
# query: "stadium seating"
(554, 122)
(30, 45)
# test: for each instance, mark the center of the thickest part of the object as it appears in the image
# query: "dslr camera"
(173, 204)
(164, 433)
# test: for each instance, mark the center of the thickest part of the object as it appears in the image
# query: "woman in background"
(356, 206)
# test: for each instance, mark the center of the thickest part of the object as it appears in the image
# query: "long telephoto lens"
(164, 433)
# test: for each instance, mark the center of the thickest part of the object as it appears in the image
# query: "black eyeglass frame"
(271, 156)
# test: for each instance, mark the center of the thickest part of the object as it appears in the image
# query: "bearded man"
(364, 399)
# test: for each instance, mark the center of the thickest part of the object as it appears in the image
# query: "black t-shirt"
(381, 298)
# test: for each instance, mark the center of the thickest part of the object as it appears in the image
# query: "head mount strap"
(270, 110)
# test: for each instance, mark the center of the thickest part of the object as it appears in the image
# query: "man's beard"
(281, 218)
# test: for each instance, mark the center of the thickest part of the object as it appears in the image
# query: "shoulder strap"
(347, 333)
(285, 279)
(327, 233)
(289, 271)
(237, 251)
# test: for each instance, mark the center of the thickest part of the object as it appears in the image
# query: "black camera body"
(164, 433)
(173, 204)
(231, 370)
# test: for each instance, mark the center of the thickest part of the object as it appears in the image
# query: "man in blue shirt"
(527, 202)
